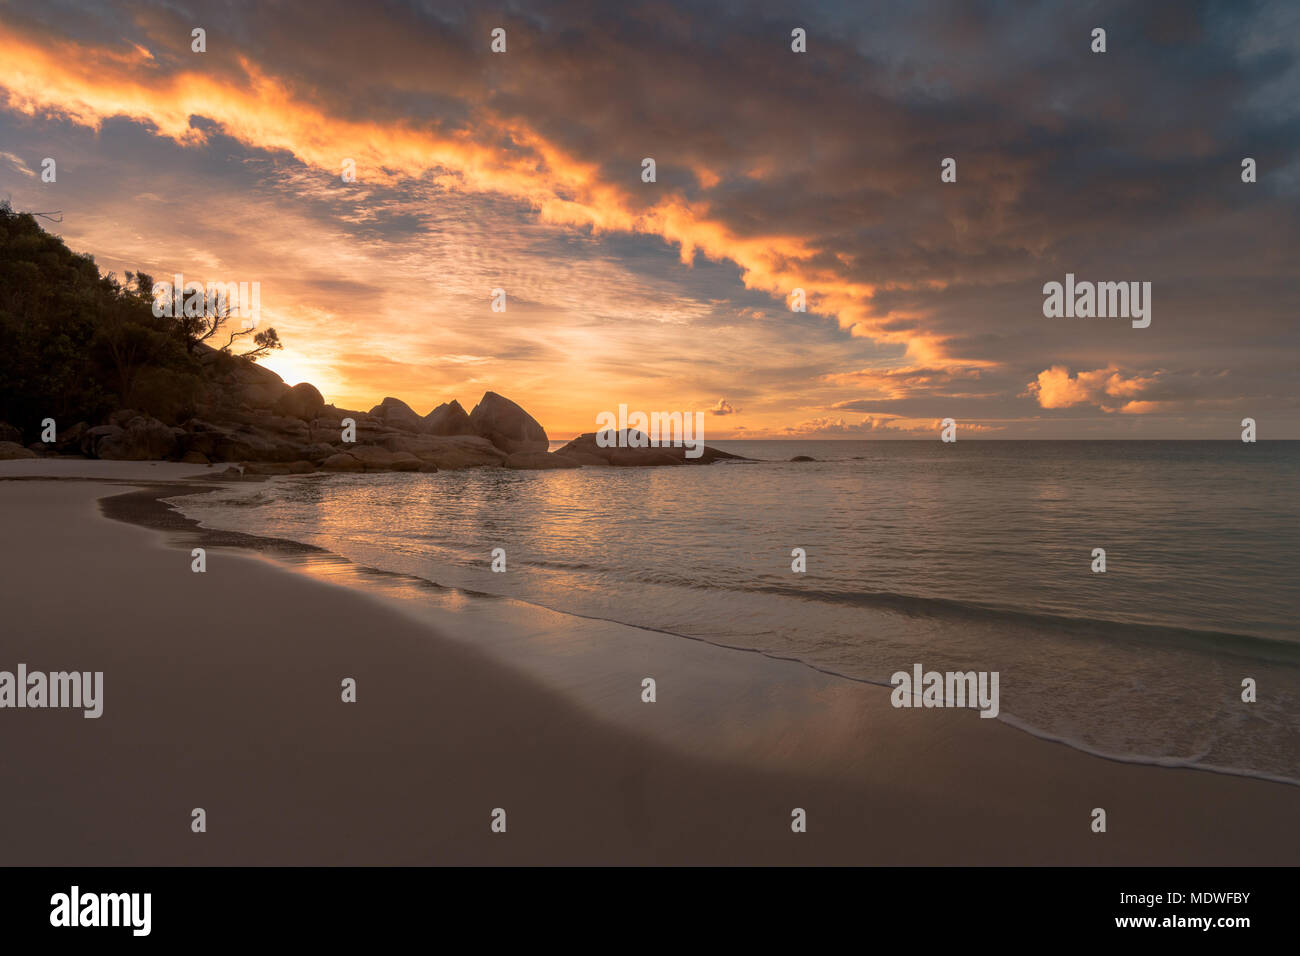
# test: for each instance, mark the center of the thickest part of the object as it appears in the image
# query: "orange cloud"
(89, 85)
(1055, 388)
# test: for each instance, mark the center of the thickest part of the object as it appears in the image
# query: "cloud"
(1055, 388)
(17, 163)
(723, 407)
(776, 170)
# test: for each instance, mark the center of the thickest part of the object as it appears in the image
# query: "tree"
(216, 316)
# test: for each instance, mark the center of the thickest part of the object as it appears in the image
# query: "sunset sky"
(775, 170)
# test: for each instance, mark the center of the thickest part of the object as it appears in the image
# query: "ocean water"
(968, 556)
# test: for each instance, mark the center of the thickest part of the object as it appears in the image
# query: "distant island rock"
(621, 450)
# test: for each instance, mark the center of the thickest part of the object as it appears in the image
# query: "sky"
(775, 170)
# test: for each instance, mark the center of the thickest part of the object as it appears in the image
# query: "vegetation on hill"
(76, 345)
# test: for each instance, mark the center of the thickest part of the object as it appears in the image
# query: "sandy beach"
(222, 691)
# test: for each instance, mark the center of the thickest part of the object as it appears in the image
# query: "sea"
(973, 555)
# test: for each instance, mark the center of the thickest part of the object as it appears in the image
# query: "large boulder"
(14, 435)
(462, 451)
(397, 414)
(507, 426)
(370, 458)
(444, 451)
(91, 439)
(246, 439)
(260, 395)
(143, 439)
(448, 419)
(247, 372)
(11, 450)
(343, 462)
(302, 401)
(69, 439)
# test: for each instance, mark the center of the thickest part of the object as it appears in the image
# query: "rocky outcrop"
(632, 449)
(448, 419)
(398, 414)
(302, 401)
(246, 415)
(445, 451)
(263, 395)
(507, 426)
(143, 439)
(370, 458)
(68, 440)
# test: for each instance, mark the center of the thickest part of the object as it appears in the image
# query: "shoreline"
(880, 785)
(147, 508)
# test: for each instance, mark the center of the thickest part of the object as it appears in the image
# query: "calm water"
(975, 555)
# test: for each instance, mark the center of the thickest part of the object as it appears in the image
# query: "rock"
(302, 401)
(448, 419)
(8, 433)
(248, 372)
(343, 462)
(122, 416)
(422, 444)
(802, 458)
(536, 460)
(507, 426)
(583, 458)
(331, 418)
(446, 451)
(195, 458)
(645, 457)
(261, 395)
(90, 441)
(266, 468)
(371, 458)
(69, 439)
(143, 439)
(278, 468)
(397, 414)
(374, 458)
(464, 451)
(11, 451)
(317, 452)
(585, 447)
(403, 462)
(249, 445)
(41, 449)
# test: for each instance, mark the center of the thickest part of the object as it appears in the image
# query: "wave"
(1255, 646)
(1273, 650)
